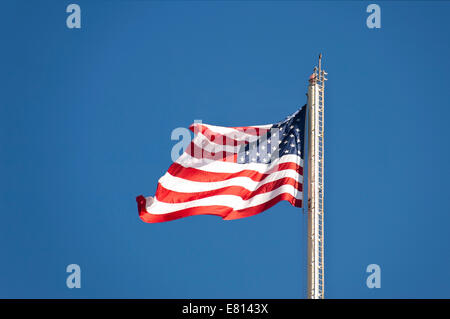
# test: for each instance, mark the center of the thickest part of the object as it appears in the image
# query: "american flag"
(232, 172)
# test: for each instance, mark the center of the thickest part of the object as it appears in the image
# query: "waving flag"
(232, 172)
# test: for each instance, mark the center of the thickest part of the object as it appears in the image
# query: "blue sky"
(86, 117)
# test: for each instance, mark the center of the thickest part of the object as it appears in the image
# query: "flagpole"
(316, 268)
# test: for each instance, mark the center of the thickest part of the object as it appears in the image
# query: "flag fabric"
(232, 172)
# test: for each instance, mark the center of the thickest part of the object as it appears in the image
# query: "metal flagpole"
(316, 269)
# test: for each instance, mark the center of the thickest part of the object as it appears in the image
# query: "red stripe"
(168, 196)
(198, 175)
(197, 152)
(251, 130)
(227, 213)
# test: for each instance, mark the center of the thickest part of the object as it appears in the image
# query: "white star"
(292, 145)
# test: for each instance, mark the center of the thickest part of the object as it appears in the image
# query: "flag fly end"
(142, 204)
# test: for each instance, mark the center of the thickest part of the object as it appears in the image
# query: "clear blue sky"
(85, 123)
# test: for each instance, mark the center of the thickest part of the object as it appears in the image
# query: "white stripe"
(213, 166)
(232, 133)
(235, 202)
(182, 185)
